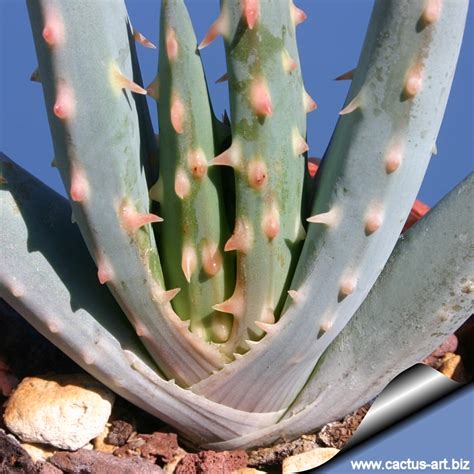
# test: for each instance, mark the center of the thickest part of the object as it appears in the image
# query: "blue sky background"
(329, 41)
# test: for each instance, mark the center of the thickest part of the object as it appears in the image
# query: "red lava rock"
(43, 467)
(211, 462)
(119, 434)
(86, 461)
(13, 458)
(162, 445)
(187, 465)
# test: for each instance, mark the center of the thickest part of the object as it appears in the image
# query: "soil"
(139, 443)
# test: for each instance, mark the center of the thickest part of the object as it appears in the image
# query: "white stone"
(65, 411)
(308, 460)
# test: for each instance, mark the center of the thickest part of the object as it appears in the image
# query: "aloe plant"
(229, 293)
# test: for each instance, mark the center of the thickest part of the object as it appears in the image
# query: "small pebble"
(119, 433)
